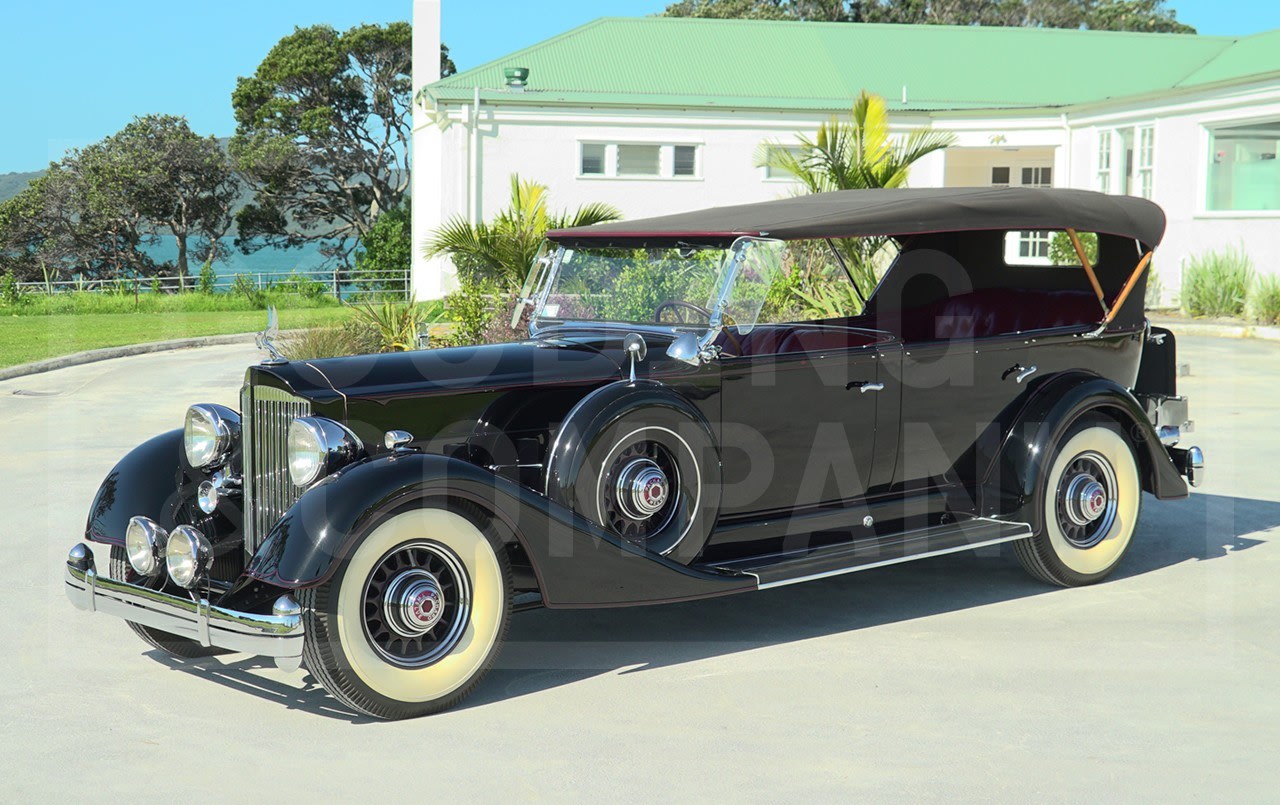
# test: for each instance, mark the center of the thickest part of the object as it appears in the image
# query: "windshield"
(679, 287)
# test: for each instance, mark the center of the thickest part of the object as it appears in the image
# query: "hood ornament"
(266, 340)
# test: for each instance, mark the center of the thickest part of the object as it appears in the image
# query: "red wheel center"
(425, 605)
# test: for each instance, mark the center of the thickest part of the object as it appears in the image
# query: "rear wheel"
(413, 617)
(120, 570)
(1089, 503)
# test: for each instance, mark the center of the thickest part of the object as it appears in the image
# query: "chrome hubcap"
(642, 489)
(1086, 502)
(417, 604)
(1086, 499)
(414, 603)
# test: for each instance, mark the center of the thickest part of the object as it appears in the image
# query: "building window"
(635, 159)
(999, 177)
(1104, 161)
(684, 160)
(1037, 177)
(592, 159)
(1146, 159)
(777, 174)
(1244, 174)
(639, 160)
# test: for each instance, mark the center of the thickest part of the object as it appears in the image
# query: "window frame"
(1208, 134)
(666, 160)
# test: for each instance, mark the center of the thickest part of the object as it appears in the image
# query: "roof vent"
(517, 78)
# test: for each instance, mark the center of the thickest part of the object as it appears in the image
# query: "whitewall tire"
(1090, 502)
(413, 617)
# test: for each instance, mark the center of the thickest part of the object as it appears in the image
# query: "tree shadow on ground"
(549, 648)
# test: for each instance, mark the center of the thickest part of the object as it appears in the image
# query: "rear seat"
(988, 312)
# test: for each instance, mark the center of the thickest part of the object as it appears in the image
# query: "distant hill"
(11, 184)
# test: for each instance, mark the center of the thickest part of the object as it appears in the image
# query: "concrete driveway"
(956, 677)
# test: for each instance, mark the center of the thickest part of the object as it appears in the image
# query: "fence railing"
(341, 284)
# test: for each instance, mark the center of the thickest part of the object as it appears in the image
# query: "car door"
(953, 395)
(806, 419)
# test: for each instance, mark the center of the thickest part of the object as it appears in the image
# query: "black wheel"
(413, 617)
(650, 474)
(120, 570)
(1090, 500)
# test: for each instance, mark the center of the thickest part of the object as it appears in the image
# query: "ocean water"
(271, 264)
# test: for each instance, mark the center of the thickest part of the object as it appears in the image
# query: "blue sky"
(78, 70)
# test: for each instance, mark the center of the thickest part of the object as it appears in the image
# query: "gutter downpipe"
(473, 166)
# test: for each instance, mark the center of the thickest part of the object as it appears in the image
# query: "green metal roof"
(741, 64)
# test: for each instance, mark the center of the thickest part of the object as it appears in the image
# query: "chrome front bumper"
(278, 635)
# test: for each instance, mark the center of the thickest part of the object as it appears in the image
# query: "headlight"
(144, 542)
(188, 556)
(317, 447)
(209, 434)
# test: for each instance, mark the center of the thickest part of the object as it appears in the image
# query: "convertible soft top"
(900, 211)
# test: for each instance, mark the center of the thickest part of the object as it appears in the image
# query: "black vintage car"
(674, 427)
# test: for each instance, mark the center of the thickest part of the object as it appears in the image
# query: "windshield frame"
(539, 325)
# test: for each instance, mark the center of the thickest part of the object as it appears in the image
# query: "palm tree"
(504, 249)
(855, 154)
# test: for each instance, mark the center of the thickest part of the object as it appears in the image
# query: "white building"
(658, 115)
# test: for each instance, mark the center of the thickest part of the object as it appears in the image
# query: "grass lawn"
(31, 338)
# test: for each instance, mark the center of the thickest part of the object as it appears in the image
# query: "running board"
(793, 567)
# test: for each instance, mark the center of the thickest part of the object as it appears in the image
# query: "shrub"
(395, 325)
(10, 292)
(1264, 300)
(351, 338)
(383, 258)
(471, 308)
(1062, 252)
(207, 278)
(1217, 283)
(245, 287)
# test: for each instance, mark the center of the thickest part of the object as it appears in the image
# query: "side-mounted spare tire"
(639, 460)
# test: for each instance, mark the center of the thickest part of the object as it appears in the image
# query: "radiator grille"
(268, 491)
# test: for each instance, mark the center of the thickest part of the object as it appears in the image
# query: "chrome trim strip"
(900, 559)
(277, 636)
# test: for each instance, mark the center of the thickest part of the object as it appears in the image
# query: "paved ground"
(957, 677)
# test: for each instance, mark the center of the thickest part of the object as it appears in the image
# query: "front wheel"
(412, 618)
(1090, 503)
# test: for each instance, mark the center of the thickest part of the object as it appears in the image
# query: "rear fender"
(1010, 489)
(576, 563)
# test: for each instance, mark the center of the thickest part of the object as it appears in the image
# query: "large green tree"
(176, 180)
(1103, 15)
(323, 130)
(94, 210)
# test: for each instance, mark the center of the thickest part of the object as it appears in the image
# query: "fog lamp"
(188, 556)
(144, 542)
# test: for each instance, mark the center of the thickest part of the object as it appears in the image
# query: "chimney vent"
(517, 77)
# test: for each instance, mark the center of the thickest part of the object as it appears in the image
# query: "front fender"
(1010, 489)
(148, 481)
(576, 563)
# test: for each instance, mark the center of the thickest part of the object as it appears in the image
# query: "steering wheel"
(678, 307)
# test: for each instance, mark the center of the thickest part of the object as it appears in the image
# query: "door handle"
(864, 386)
(1025, 373)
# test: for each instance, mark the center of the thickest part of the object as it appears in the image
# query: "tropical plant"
(1216, 283)
(353, 337)
(504, 249)
(395, 325)
(855, 154)
(1264, 300)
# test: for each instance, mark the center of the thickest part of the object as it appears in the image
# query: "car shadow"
(546, 649)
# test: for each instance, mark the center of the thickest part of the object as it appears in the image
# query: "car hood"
(432, 372)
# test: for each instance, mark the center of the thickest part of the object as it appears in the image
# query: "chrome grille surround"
(268, 491)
